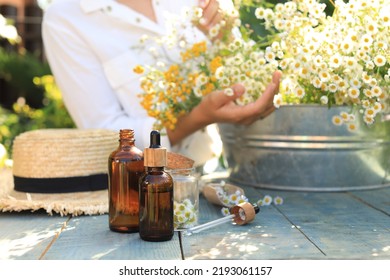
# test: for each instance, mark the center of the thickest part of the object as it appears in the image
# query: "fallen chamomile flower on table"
(225, 211)
(268, 200)
(278, 200)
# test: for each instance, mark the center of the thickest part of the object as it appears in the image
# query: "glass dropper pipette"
(240, 214)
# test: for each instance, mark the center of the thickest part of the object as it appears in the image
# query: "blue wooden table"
(308, 225)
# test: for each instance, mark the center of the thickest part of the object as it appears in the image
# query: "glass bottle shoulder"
(128, 152)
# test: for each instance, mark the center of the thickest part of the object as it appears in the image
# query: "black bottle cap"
(155, 155)
(155, 139)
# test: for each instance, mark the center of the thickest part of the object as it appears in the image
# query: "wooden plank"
(90, 238)
(270, 236)
(379, 199)
(26, 235)
(340, 225)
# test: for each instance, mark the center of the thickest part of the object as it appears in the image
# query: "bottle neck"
(155, 168)
(126, 142)
(126, 137)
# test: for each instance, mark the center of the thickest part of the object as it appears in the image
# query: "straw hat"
(60, 170)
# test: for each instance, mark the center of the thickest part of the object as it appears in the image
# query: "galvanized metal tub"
(298, 148)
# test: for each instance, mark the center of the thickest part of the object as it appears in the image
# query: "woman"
(90, 47)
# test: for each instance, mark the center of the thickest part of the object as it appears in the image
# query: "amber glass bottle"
(125, 167)
(156, 194)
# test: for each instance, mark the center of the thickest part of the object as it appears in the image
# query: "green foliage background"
(38, 102)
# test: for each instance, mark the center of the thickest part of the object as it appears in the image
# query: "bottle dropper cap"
(155, 155)
(244, 213)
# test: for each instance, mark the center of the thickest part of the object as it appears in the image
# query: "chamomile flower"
(368, 119)
(336, 60)
(260, 13)
(380, 60)
(355, 82)
(214, 31)
(220, 72)
(201, 80)
(370, 112)
(353, 92)
(225, 211)
(270, 55)
(278, 100)
(337, 120)
(366, 103)
(324, 76)
(233, 198)
(316, 82)
(195, 13)
(278, 200)
(351, 127)
(377, 107)
(318, 60)
(384, 15)
(299, 92)
(376, 91)
(197, 91)
(324, 99)
(259, 202)
(366, 78)
(224, 82)
(267, 200)
(344, 116)
(332, 88)
(228, 91)
(304, 72)
(347, 46)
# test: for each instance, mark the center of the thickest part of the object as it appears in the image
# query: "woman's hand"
(211, 15)
(217, 107)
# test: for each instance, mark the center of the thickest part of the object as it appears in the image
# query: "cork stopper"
(155, 155)
(178, 161)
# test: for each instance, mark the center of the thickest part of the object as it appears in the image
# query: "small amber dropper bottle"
(125, 167)
(156, 194)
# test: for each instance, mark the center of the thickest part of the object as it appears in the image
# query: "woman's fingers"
(211, 15)
(222, 97)
(262, 107)
(219, 106)
(276, 77)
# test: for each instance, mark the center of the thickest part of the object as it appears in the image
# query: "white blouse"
(89, 45)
